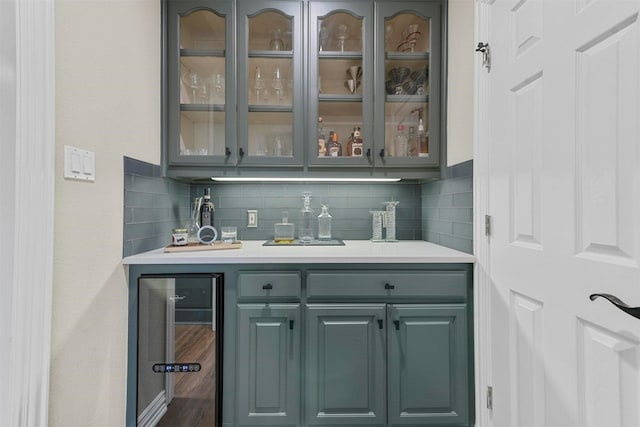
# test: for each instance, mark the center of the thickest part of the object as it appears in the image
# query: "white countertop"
(354, 251)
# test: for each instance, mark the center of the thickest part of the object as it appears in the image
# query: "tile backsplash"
(349, 206)
(153, 206)
(439, 211)
(447, 209)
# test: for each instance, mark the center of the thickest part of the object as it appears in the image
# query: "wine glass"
(276, 84)
(342, 35)
(193, 82)
(323, 36)
(258, 85)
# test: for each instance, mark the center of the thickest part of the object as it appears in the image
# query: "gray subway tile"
(443, 227)
(463, 200)
(457, 243)
(457, 214)
(462, 229)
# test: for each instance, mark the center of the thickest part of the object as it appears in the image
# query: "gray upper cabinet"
(270, 110)
(341, 84)
(408, 83)
(200, 83)
(303, 88)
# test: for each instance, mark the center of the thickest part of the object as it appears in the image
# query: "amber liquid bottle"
(335, 148)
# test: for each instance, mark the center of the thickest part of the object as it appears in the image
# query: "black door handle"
(267, 287)
(389, 286)
(634, 311)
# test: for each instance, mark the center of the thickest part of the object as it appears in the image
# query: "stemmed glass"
(323, 36)
(277, 84)
(193, 82)
(258, 85)
(342, 35)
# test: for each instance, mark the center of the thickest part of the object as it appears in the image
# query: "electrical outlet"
(252, 218)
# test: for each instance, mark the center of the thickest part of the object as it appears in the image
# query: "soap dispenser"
(324, 224)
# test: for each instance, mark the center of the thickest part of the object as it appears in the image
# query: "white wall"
(7, 185)
(460, 81)
(107, 101)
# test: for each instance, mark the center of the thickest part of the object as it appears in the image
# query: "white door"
(563, 176)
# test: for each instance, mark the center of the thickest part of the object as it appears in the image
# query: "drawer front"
(449, 285)
(269, 285)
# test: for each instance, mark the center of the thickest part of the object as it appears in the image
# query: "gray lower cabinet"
(268, 364)
(427, 365)
(345, 364)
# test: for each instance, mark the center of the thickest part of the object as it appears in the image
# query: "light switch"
(79, 164)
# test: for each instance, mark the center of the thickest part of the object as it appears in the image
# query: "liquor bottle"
(400, 142)
(322, 142)
(358, 144)
(206, 209)
(350, 143)
(335, 148)
(423, 140)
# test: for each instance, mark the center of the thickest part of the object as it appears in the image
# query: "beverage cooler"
(179, 367)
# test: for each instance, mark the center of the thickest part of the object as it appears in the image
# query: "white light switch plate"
(79, 164)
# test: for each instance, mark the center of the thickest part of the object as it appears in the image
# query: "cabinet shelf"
(339, 55)
(407, 98)
(407, 55)
(203, 52)
(257, 108)
(339, 98)
(202, 107)
(270, 54)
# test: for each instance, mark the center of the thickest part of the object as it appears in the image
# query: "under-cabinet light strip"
(282, 179)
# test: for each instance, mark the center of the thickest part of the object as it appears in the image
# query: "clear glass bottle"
(413, 142)
(306, 227)
(284, 230)
(400, 146)
(322, 142)
(423, 140)
(324, 224)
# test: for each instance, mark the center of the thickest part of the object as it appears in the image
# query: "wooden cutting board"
(199, 247)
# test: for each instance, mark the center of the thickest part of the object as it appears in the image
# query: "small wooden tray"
(199, 247)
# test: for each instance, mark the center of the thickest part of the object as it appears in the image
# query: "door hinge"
(486, 55)
(487, 225)
(489, 397)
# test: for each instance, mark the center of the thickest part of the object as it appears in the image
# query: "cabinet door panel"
(268, 364)
(428, 365)
(345, 381)
(200, 81)
(407, 116)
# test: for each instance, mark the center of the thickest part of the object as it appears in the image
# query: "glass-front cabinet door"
(201, 129)
(407, 116)
(340, 124)
(270, 112)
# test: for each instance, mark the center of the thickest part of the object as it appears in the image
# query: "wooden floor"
(193, 404)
